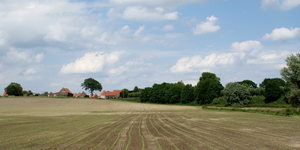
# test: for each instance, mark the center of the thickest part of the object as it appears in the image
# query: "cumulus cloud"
(246, 46)
(92, 62)
(198, 64)
(279, 4)
(30, 71)
(138, 31)
(22, 57)
(282, 34)
(138, 13)
(207, 27)
(168, 28)
(153, 3)
(275, 58)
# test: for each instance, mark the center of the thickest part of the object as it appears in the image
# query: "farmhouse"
(64, 92)
(108, 94)
(80, 94)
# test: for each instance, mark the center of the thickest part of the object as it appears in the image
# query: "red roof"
(113, 93)
(68, 90)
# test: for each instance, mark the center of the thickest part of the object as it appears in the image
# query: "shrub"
(220, 101)
(257, 100)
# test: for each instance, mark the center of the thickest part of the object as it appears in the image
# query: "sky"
(46, 45)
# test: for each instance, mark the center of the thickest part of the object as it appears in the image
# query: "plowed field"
(53, 123)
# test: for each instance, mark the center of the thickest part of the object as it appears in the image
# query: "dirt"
(51, 123)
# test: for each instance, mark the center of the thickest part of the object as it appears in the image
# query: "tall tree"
(248, 83)
(278, 81)
(124, 93)
(14, 89)
(272, 91)
(236, 94)
(187, 94)
(208, 88)
(146, 94)
(291, 74)
(91, 85)
(135, 89)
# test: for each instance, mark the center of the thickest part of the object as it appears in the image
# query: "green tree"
(172, 94)
(236, 94)
(14, 89)
(187, 94)
(248, 83)
(135, 89)
(146, 94)
(208, 88)
(91, 85)
(278, 81)
(124, 93)
(272, 91)
(30, 93)
(291, 74)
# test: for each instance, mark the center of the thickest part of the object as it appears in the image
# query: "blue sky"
(49, 44)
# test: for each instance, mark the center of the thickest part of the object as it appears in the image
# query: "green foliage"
(135, 89)
(236, 94)
(220, 101)
(291, 74)
(248, 83)
(91, 85)
(146, 94)
(187, 94)
(14, 89)
(272, 91)
(134, 94)
(278, 81)
(124, 93)
(208, 88)
(257, 100)
(256, 91)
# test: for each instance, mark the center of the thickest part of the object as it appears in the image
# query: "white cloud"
(198, 64)
(30, 71)
(207, 27)
(138, 13)
(168, 28)
(279, 4)
(273, 58)
(246, 46)
(39, 57)
(92, 62)
(282, 34)
(138, 31)
(153, 3)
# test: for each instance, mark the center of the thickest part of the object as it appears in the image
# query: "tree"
(135, 89)
(146, 94)
(208, 88)
(14, 89)
(272, 91)
(236, 94)
(91, 85)
(278, 81)
(248, 83)
(291, 74)
(124, 93)
(187, 94)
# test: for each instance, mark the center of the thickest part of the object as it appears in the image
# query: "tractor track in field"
(117, 125)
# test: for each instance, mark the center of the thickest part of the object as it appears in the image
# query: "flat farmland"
(54, 123)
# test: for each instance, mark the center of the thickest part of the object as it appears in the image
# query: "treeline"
(209, 90)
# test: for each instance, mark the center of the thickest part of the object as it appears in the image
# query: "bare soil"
(53, 123)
